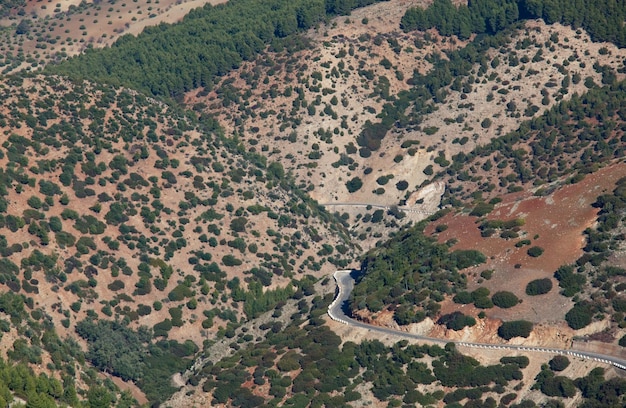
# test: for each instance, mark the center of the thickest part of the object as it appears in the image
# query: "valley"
(174, 203)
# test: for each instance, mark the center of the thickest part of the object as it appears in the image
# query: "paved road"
(345, 284)
(380, 206)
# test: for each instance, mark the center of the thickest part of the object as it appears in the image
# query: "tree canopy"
(603, 19)
(170, 59)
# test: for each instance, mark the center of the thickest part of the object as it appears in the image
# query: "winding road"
(380, 206)
(337, 312)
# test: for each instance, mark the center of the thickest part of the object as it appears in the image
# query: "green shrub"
(35, 202)
(48, 188)
(55, 224)
(508, 234)
(559, 363)
(64, 239)
(179, 293)
(619, 304)
(480, 293)
(230, 260)
(69, 214)
(116, 285)
(377, 216)
(84, 244)
(238, 224)
(456, 321)
(89, 224)
(372, 135)
(520, 361)
(535, 251)
(441, 160)
(143, 310)
(116, 215)
(162, 328)
(466, 258)
(579, 316)
(289, 362)
(354, 184)
(558, 386)
(382, 180)
(571, 282)
(176, 315)
(483, 303)
(481, 209)
(402, 185)
(516, 328)
(539, 287)
(463, 298)
(504, 299)
(441, 228)
(406, 314)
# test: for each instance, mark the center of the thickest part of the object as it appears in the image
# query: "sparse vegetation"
(191, 213)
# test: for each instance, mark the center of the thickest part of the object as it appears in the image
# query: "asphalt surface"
(379, 206)
(338, 308)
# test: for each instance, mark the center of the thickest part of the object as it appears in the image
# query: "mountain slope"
(118, 207)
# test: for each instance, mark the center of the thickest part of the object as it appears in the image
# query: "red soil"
(558, 222)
